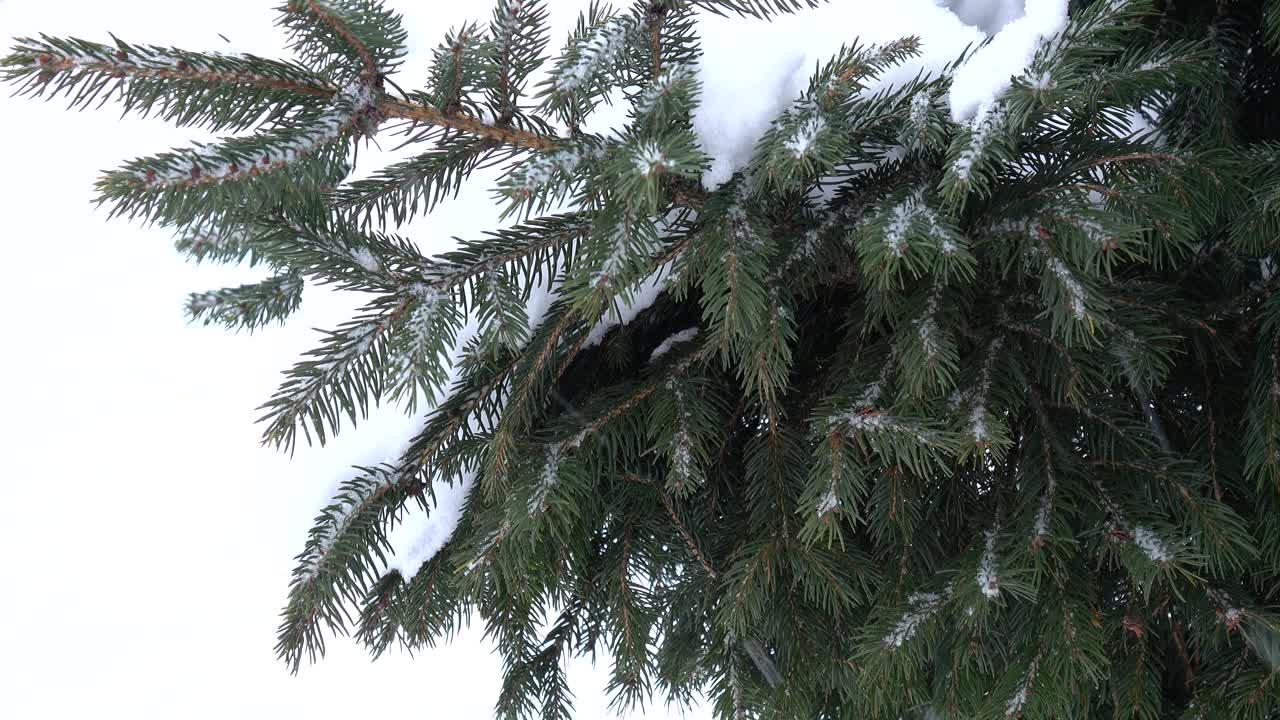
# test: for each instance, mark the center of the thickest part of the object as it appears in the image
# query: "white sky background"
(147, 538)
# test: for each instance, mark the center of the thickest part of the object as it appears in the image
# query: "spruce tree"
(910, 418)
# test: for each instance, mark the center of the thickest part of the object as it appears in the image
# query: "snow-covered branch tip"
(983, 130)
(1044, 511)
(593, 56)
(546, 170)
(927, 329)
(903, 217)
(1143, 538)
(1229, 615)
(1074, 290)
(674, 81)
(649, 159)
(1014, 707)
(682, 461)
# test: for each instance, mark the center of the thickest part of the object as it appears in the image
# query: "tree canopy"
(915, 416)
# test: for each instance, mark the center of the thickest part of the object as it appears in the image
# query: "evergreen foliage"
(911, 418)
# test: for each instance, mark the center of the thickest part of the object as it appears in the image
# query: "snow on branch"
(422, 346)
(248, 306)
(594, 55)
(337, 518)
(976, 148)
(338, 378)
(1228, 614)
(988, 576)
(1144, 539)
(588, 65)
(927, 329)
(1014, 707)
(921, 606)
(979, 396)
(241, 158)
(549, 176)
(682, 457)
(675, 89)
(548, 479)
(805, 135)
(1074, 290)
(1044, 510)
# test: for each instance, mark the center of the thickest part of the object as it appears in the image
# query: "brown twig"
(398, 109)
(657, 13)
(340, 28)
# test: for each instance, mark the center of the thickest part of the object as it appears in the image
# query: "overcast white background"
(146, 537)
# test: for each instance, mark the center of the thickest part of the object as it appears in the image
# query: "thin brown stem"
(657, 13)
(687, 536)
(390, 108)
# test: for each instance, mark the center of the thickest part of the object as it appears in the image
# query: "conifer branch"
(212, 90)
(248, 306)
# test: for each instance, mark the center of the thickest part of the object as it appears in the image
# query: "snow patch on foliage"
(365, 259)
(805, 136)
(749, 78)
(1151, 544)
(981, 129)
(987, 74)
(666, 84)
(1040, 530)
(344, 508)
(665, 346)
(216, 163)
(829, 502)
(682, 453)
(420, 534)
(1075, 291)
(1018, 700)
